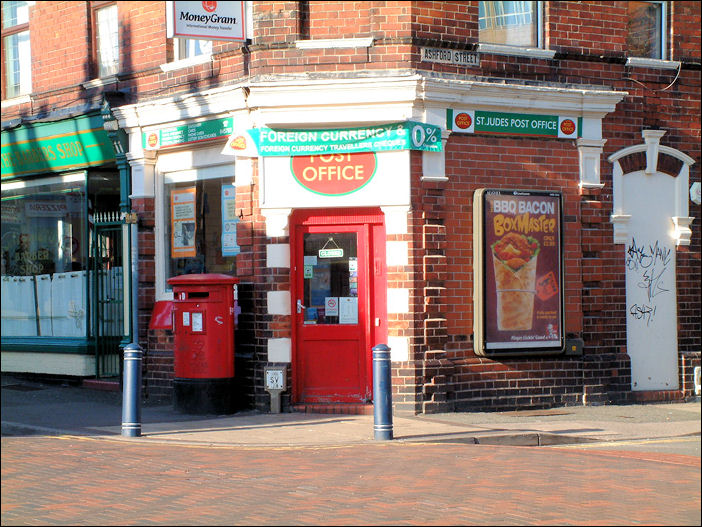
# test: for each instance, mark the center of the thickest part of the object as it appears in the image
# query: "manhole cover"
(22, 387)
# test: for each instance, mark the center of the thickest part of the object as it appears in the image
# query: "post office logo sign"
(334, 174)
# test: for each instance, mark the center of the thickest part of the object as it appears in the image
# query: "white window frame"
(538, 51)
(662, 39)
(107, 45)
(169, 170)
(189, 44)
(538, 14)
(24, 53)
(185, 62)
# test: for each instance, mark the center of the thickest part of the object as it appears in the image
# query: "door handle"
(300, 307)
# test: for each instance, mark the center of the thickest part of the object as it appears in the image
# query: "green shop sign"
(55, 146)
(187, 133)
(408, 135)
(477, 122)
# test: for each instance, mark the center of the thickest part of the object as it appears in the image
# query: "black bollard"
(131, 391)
(382, 393)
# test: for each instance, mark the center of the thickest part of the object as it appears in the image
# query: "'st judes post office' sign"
(206, 20)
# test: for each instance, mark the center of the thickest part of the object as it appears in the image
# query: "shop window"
(510, 23)
(17, 69)
(646, 30)
(106, 36)
(44, 257)
(200, 217)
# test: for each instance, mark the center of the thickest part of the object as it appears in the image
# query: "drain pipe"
(135, 280)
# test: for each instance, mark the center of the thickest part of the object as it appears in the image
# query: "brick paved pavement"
(68, 480)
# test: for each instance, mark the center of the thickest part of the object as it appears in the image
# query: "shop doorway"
(339, 303)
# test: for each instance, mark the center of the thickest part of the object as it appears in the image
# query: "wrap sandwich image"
(514, 261)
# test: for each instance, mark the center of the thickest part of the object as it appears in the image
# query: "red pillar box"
(203, 328)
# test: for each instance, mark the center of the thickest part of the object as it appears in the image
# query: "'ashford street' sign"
(477, 122)
(456, 57)
(407, 135)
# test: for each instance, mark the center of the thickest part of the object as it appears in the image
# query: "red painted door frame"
(368, 223)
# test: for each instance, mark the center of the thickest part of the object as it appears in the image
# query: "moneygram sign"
(206, 20)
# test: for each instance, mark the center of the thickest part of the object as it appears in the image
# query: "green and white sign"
(477, 122)
(331, 253)
(56, 146)
(187, 133)
(407, 135)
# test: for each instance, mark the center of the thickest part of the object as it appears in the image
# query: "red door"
(338, 279)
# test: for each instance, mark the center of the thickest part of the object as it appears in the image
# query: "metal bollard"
(382, 393)
(131, 391)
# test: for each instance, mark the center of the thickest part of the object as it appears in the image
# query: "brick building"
(503, 192)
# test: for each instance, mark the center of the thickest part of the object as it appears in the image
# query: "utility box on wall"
(203, 328)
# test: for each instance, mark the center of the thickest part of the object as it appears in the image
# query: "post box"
(203, 329)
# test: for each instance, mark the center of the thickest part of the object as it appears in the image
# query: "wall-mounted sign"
(55, 146)
(242, 144)
(480, 122)
(206, 20)
(187, 133)
(518, 295)
(386, 183)
(407, 135)
(450, 56)
(334, 174)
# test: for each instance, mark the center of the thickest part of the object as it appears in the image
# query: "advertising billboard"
(518, 272)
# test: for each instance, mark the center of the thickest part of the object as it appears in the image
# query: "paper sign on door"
(331, 306)
(348, 310)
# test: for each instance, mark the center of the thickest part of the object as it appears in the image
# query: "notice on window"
(348, 310)
(183, 223)
(229, 221)
(331, 306)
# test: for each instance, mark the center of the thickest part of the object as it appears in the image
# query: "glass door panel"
(330, 278)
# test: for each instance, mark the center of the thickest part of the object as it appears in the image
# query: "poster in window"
(229, 221)
(518, 294)
(183, 227)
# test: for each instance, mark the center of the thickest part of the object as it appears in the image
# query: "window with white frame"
(646, 30)
(510, 23)
(198, 221)
(106, 40)
(17, 67)
(185, 48)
